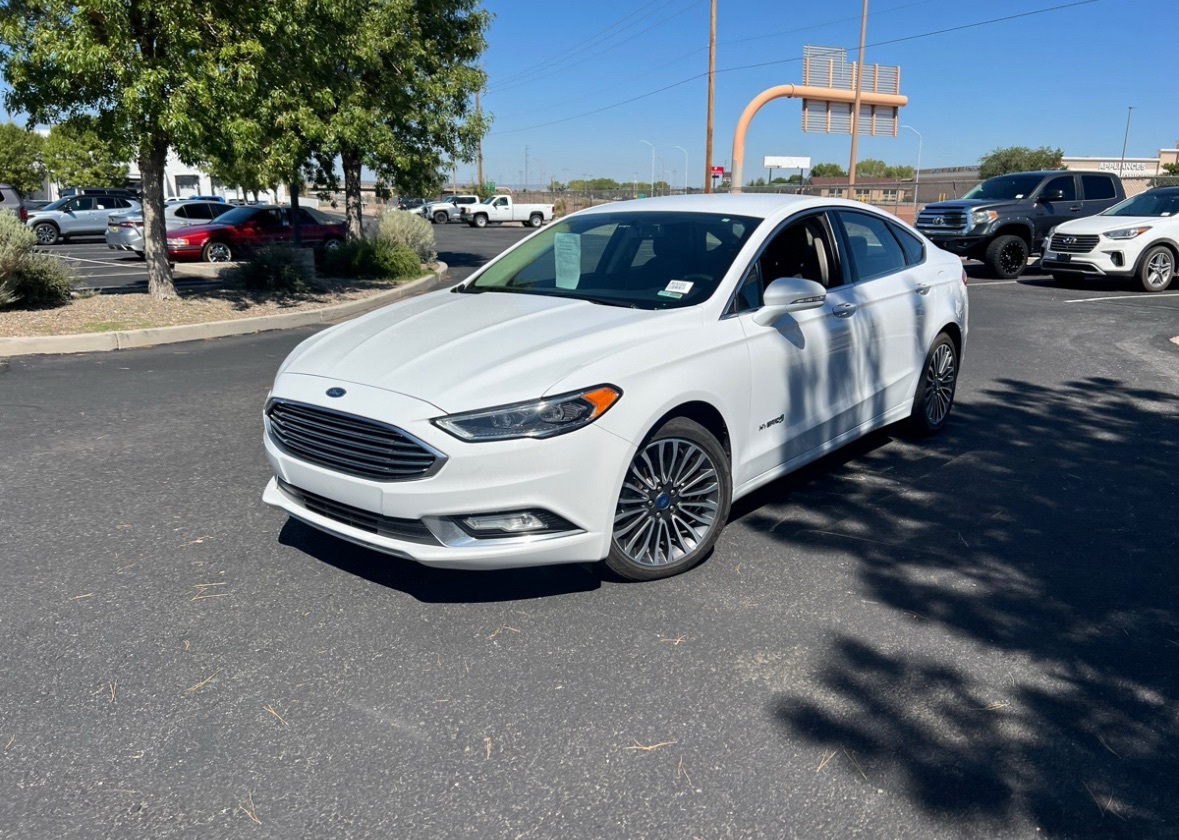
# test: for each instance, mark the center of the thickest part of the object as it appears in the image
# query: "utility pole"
(479, 154)
(526, 164)
(711, 90)
(855, 116)
(1125, 140)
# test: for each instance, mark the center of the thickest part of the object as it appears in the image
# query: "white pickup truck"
(501, 208)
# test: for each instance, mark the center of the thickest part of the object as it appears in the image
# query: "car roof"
(757, 205)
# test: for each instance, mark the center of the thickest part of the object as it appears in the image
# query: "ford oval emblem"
(336, 392)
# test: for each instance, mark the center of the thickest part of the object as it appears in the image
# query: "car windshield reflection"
(1147, 204)
(634, 259)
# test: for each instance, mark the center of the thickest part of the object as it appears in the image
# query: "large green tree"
(20, 158)
(79, 153)
(828, 170)
(146, 72)
(1018, 159)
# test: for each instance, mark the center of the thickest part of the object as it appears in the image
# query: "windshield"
(1148, 204)
(57, 205)
(638, 259)
(1005, 187)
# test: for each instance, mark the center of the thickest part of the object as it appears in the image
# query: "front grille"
(938, 221)
(1068, 243)
(349, 444)
(409, 530)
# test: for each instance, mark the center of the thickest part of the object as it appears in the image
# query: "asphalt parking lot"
(971, 636)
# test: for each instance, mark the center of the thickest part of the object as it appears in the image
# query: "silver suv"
(10, 202)
(79, 215)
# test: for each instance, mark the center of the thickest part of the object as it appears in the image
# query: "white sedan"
(1137, 238)
(609, 386)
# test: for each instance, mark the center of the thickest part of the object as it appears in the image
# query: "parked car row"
(124, 232)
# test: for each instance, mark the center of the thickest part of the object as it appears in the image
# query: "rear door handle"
(845, 310)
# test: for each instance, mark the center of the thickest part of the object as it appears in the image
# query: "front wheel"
(1157, 269)
(673, 503)
(1007, 256)
(935, 391)
(480, 221)
(440, 218)
(46, 233)
(217, 252)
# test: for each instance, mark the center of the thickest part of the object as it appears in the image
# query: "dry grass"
(137, 310)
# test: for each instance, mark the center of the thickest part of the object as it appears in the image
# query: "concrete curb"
(125, 339)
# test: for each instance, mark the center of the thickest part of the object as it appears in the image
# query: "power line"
(794, 60)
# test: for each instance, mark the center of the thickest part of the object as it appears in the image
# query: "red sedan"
(243, 228)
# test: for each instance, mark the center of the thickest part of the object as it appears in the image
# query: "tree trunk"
(153, 154)
(350, 158)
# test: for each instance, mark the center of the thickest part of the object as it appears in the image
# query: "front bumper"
(962, 245)
(1114, 261)
(575, 476)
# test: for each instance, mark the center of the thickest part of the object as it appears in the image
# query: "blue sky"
(576, 87)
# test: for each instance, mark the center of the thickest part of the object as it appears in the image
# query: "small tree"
(1018, 159)
(20, 158)
(828, 170)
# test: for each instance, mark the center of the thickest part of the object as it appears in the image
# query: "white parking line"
(92, 262)
(1142, 296)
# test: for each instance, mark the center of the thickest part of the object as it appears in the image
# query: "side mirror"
(1051, 195)
(789, 294)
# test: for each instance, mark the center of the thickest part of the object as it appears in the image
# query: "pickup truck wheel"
(480, 220)
(1007, 256)
(1157, 269)
(535, 220)
(440, 218)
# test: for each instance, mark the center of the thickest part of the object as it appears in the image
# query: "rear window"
(1098, 186)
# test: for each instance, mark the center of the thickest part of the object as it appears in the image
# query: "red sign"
(717, 171)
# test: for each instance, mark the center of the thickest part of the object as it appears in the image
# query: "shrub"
(26, 278)
(372, 259)
(396, 227)
(275, 268)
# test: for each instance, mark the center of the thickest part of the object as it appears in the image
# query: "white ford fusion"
(607, 387)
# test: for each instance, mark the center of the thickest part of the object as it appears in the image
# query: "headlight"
(1126, 233)
(981, 217)
(534, 419)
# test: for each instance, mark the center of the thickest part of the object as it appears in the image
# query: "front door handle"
(922, 289)
(845, 310)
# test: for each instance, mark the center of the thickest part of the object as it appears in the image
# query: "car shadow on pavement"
(439, 586)
(1017, 658)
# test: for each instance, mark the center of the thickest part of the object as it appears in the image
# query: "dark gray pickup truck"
(1006, 218)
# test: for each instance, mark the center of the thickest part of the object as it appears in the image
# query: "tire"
(1006, 256)
(1157, 268)
(139, 254)
(480, 220)
(535, 220)
(46, 233)
(673, 503)
(333, 243)
(217, 251)
(440, 218)
(935, 389)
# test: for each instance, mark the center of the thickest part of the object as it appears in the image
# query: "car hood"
(1100, 224)
(969, 204)
(468, 351)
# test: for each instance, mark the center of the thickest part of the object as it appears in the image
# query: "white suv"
(1138, 238)
(77, 215)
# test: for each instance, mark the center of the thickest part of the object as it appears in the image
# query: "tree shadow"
(439, 586)
(1026, 665)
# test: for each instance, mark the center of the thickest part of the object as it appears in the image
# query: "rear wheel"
(935, 391)
(1007, 256)
(673, 503)
(217, 252)
(332, 243)
(1157, 269)
(535, 220)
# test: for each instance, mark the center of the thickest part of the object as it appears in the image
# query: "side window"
(199, 211)
(1097, 187)
(912, 246)
(874, 251)
(1065, 184)
(269, 219)
(749, 294)
(182, 212)
(216, 210)
(82, 203)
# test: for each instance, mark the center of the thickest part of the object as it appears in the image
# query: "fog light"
(512, 523)
(1117, 258)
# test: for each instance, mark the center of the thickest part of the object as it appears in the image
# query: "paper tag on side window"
(679, 287)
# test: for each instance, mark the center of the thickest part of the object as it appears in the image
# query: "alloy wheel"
(941, 375)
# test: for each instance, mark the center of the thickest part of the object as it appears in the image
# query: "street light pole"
(652, 145)
(685, 151)
(917, 173)
(1122, 163)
